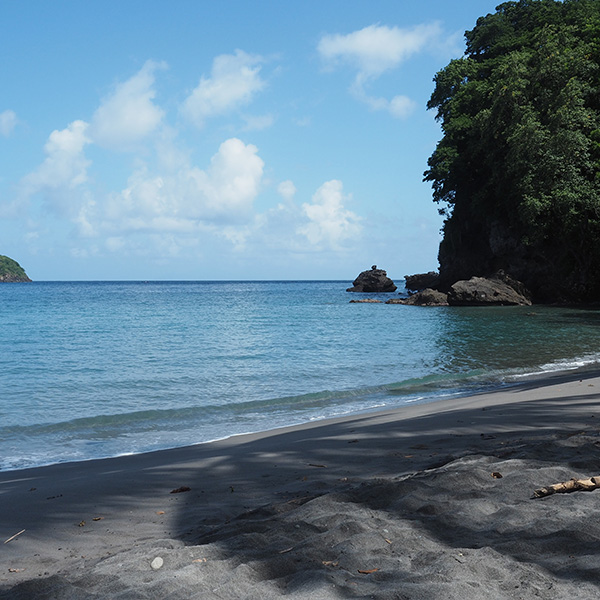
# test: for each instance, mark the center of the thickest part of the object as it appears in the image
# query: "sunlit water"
(99, 369)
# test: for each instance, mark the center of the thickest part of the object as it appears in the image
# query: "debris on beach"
(12, 537)
(573, 485)
(367, 571)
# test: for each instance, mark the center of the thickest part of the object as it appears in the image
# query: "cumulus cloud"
(128, 114)
(234, 81)
(65, 166)
(329, 223)
(190, 197)
(8, 121)
(374, 50)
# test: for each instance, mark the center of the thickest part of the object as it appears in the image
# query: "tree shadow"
(374, 502)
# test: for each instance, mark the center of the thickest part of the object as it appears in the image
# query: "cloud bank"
(169, 201)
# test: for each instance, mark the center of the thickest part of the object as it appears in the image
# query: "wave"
(430, 387)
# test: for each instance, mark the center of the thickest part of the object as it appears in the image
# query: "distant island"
(11, 271)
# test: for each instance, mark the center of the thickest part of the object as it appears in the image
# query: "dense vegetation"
(517, 172)
(11, 270)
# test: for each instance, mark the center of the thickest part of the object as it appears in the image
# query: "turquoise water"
(97, 369)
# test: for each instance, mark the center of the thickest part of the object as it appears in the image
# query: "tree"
(517, 171)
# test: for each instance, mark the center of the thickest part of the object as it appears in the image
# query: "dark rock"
(482, 291)
(426, 297)
(515, 284)
(365, 301)
(373, 281)
(422, 281)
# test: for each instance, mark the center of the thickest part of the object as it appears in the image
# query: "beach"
(427, 501)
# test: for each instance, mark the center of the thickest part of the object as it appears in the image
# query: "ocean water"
(98, 369)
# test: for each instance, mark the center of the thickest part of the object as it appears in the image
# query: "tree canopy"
(517, 171)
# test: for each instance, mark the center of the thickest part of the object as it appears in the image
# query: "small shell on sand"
(157, 563)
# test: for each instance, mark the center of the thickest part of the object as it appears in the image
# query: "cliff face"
(11, 271)
(551, 270)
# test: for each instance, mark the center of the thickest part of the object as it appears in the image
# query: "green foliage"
(520, 115)
(11, 270)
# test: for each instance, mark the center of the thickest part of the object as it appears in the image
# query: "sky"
(197, 140)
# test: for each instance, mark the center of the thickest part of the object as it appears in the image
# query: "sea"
(100, 369)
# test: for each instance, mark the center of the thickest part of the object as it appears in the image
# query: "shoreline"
(404, 493)
(476, 386)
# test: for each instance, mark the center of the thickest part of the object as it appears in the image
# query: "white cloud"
(234, 80)
(374, 50)
(128, 115)
(399, 107)
(258, 122)
(8, 121)
(190, 198)
(65, 165)
(287, 190)
(330, 223)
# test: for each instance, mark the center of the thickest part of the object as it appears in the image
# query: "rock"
(421, 281)
(366, 301)
(426, 297)
(373, 281)
(483, 291)
(157, 563)
(513, 283)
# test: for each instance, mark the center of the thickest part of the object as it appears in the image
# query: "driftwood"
(573, 485)
(12, 537)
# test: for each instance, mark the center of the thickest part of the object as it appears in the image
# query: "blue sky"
(233, 140)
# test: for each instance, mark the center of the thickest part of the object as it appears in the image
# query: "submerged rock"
(373, 281)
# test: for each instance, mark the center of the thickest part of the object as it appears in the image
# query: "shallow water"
(96, 369)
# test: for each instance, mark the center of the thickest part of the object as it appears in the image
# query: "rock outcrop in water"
(422, 281)
(373, 281)
(11, 271)
(426, 297)
(499, 290)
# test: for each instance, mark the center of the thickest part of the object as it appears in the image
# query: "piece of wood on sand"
(12, 537)
(573, 485)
